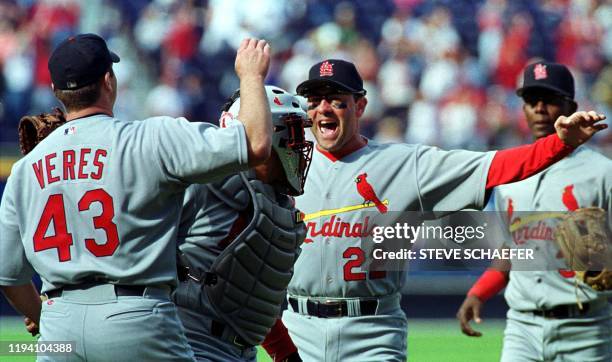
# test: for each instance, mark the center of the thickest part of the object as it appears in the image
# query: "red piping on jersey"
(335, 156)
(278, 343)
(518, 163)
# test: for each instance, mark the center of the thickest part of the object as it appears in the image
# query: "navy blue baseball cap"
(550, 76)
(79, 61)
(332, 76)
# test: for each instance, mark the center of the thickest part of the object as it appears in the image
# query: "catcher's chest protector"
(251, 275)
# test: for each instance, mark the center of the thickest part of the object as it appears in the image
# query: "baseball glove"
(586, 243)
(33, 129)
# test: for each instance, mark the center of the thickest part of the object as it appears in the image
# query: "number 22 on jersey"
(356, 263)
(55, 213)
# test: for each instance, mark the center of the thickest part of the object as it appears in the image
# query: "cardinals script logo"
(522, 230)
(367, 192)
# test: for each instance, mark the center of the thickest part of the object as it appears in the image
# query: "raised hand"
(252, 58)
(579, 127)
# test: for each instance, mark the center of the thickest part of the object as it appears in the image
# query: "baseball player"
(552, 316)
(93, 207)
(338, 309)
(248, 224)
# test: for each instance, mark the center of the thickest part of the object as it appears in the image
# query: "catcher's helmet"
(288, 140)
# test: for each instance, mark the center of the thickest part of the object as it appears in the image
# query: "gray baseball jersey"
(403, 178)
(217, 216)
(583, 179)
(99, 199)
(207, 227)
(333, 262)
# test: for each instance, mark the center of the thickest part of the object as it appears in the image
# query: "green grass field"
(428, 341)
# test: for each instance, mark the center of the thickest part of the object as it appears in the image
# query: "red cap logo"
(539, 72)
(277, 101)
(326, 69)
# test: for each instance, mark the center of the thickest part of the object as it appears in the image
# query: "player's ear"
(108, 81)
(360, 105)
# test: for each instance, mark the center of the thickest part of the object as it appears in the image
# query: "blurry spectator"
(512, 56)
(296, 68)
(439, 36)
(17, 72)
(422, 124)
(151, 28)
(164, 99)
(458, 121)
(183, 36)
(389, 130)
(447, 70)
(395, 80)
(491, 33)
(439, 76)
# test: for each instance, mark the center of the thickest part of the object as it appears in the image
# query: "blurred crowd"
(437, 72)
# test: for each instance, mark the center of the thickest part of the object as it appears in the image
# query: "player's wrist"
(560, 143)
(491, 282)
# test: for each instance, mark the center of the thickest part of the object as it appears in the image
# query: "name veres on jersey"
(80, 164)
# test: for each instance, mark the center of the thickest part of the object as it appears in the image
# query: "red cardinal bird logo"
(510, 210)
(568, 198)
(367, 192)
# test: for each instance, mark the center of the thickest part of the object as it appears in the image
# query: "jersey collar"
(335, 156)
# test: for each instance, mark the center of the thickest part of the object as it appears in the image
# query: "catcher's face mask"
(288, 139)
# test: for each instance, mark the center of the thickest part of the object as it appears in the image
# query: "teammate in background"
(93, 207)
(545, 321)
(253, 231)
(338, 309)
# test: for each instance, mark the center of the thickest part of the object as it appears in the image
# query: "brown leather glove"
(586, 243)
(33, 129)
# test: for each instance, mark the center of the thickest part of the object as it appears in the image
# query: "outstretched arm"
(518, 163)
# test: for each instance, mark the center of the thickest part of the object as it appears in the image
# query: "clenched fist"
(253, 58)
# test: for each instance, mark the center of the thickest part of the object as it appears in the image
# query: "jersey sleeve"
(15, 269)
(189, 211)
(198, 152)
(518, 163)
(451, 180)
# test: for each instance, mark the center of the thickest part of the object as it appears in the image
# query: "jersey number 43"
(55, 213)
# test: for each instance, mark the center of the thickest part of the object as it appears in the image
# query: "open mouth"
(328, 129)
